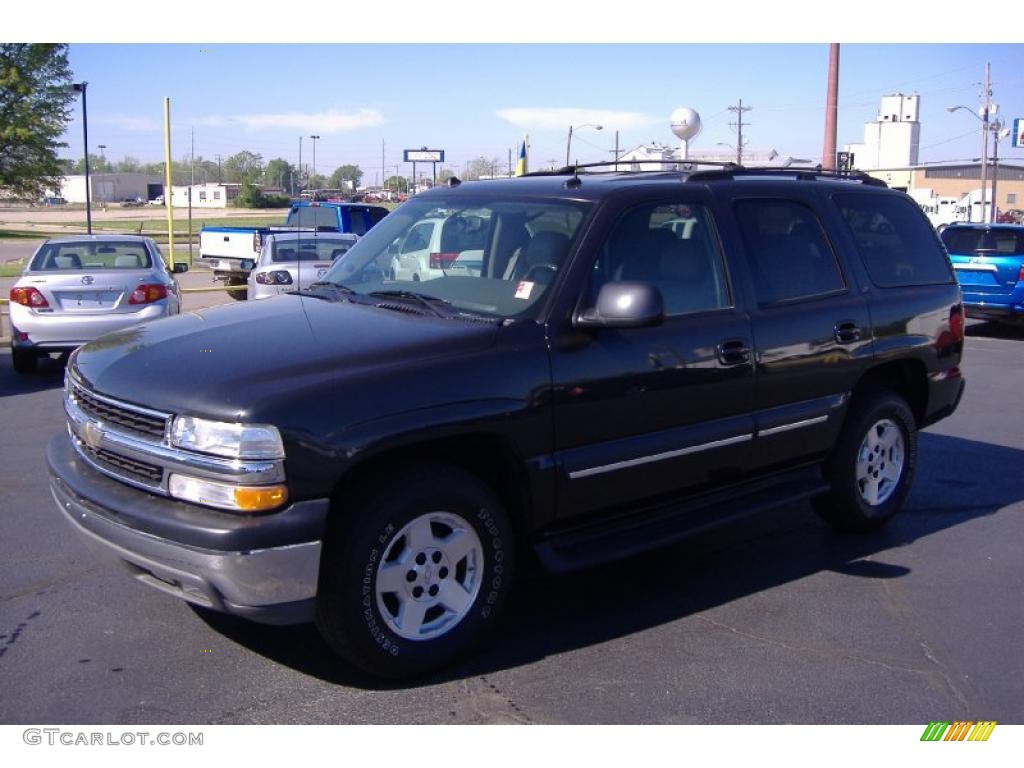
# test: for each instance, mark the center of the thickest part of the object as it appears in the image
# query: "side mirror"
(247, 264)
(624, 305)
(179, 267)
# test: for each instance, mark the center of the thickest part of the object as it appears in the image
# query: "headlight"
(235, 441)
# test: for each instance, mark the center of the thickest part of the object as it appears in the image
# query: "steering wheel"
(550, 270)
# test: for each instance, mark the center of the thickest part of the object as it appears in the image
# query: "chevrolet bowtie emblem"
(92, 434)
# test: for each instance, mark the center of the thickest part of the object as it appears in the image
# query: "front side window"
(895, 242)
(673, 247)
(790, 258)
(486, 256)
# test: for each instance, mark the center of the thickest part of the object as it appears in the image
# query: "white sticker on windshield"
(524, 289)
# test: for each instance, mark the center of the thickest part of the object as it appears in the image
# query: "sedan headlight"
(234, 441)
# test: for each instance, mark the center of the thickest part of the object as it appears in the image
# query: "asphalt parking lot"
(772, 620)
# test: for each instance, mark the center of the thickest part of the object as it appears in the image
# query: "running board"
(570, 550)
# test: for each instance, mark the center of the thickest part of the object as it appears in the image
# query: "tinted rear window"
(894, 240)
(992, 242)
(91, 256)
(789, 254)
(320, 249)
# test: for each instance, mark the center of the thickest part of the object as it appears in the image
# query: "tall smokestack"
(828, 158)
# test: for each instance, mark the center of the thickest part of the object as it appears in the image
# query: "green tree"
(35, 106)
(244, 168)
(279, 173)
(127, 164)
(344, 175)
(397, 183)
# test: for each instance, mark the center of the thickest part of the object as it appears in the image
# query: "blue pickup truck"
(230, 251)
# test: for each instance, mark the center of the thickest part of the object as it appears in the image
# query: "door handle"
(846, 331)
(733, 352)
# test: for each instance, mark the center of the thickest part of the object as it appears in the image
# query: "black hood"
(225, 362)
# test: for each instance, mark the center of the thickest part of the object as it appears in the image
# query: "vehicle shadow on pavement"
(552, 615)
(1011, 332)
(49, 374)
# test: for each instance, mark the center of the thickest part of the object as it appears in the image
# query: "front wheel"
(872, 465)
(416, 572)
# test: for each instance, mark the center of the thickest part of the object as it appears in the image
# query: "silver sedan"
(291, 261)
(76, 289)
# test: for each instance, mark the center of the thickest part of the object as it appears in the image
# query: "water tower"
(686, 125)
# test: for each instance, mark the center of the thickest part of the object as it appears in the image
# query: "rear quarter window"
(894, 240)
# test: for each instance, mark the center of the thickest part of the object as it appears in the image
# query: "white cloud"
(332, 121)
(561, 118)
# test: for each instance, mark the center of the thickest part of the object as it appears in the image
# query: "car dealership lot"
(773, 620)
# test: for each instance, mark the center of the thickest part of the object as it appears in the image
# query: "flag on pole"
(521, 165)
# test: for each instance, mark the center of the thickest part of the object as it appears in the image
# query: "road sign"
(424, 155)
(1018, 132)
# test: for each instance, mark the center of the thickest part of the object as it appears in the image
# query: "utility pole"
(615, 152)
(220, 176)
(192, 183)
(828, 155)
(383, 173)
(739, 109)
(985, 109)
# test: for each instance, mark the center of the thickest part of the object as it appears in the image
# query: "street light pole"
(568, 142)
(314, 138)
(80, 88)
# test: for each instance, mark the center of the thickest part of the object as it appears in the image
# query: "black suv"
(584, 365)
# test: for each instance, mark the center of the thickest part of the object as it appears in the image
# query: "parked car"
(131, 202)
(379, 454)
(228, 251)
(75, 289)
(291, 261)
(989, 263)
(158, 200)
(440, 245)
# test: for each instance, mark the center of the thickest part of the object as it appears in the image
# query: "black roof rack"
(720, 170)
(805, 174)
(623, 166)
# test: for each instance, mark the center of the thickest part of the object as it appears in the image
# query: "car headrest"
(127, 261)
(68, 261)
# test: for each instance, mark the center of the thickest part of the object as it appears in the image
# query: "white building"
(891, 140)
(111, 187)
(211, 195)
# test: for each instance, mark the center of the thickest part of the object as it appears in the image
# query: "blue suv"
(989, 263)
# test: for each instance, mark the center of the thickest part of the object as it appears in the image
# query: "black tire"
(24, 360)
(862, 498)
(356, 613)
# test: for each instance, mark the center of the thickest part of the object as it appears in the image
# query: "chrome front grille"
(149, 475)
(123, 417)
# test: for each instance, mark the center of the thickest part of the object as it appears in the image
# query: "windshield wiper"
(336, 288)
(440, 307)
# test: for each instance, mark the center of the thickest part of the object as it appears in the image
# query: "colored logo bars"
(961, 730)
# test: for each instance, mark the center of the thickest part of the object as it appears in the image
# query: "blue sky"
(479, 99)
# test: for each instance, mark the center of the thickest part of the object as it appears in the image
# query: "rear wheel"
(24, 360)
(416, 573)
(238, 293)
(872, 465)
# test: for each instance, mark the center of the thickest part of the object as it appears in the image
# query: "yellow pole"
(167, 181)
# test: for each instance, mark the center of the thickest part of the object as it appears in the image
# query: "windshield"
(480, 255)
(91, 255)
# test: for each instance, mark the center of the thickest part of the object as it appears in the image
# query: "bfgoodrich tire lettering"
(416, 568)
(872, 465)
